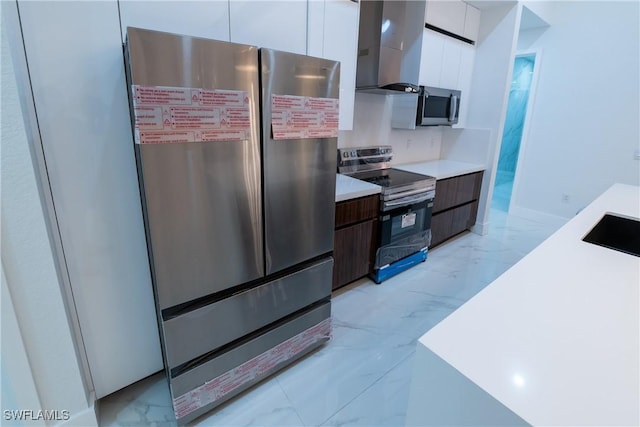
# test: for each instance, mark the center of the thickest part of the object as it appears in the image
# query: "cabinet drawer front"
(468, 187)
(353, 252)
(441, 228)
(457, 190)
(454, 221)
(356, 210)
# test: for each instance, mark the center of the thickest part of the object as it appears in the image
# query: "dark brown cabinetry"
(455, 206)
(354, 240)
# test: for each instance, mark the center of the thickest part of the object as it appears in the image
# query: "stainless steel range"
(406, 202)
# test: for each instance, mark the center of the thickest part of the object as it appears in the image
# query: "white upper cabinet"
(431, 58)
(447, 63)
(448, 15)
(451, 64)
(333, 34)
(280, 25)
(192, 18)
(341, 44)
(454, 16)
(441, 60)
(465, 74)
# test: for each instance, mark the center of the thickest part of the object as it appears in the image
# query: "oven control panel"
(357, 159)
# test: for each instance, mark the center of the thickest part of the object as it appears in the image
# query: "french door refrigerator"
(235, 149)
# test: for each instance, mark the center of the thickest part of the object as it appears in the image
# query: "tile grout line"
(368, 387)
(295, 409)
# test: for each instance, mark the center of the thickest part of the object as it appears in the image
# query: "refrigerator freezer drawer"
(205, 329)
(199, 390)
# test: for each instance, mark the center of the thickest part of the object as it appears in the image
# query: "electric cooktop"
(390, 177)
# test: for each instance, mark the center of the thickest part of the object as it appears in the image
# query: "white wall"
(372, 126)
(467, 145)
(541, 13)
(490, 89)
(584, 124)
(40, 369)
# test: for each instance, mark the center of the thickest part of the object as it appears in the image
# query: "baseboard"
(481, 228)
(537, 216)
(86, 418)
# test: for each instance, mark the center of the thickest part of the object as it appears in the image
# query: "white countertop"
(555, 339)
(441, 169)
(351, 188)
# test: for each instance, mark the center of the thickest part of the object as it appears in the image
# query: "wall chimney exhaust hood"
(389, 46)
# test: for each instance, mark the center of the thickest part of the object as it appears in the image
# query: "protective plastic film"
(402, 248)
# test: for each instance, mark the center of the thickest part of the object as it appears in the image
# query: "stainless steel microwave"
(431, 107)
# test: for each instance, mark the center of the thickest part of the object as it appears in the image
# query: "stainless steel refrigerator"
(235, 149)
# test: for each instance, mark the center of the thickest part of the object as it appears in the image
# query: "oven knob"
(345, 155)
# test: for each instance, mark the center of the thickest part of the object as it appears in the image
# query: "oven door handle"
(405, 201)
(383, 157)
(405, 194)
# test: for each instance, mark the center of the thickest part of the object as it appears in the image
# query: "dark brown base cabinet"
(355, 239)
(455, 206)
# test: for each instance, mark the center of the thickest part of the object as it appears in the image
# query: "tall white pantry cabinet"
(74, 52)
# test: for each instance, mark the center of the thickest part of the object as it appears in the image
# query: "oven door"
(406, 220)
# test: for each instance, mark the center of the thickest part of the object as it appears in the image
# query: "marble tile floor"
(362, 376)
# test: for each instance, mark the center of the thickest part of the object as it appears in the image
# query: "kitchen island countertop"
(553, 341)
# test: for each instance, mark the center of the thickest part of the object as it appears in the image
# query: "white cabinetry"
(465, 74)
(454, 16)
(441, 60)
(448, 15)
(315, 27)
(280, 25)
(337, 38)
(192, 18)
(431, 58)
(76, 69)
(447, 63)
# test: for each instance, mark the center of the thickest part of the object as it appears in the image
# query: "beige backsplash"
(372, 126)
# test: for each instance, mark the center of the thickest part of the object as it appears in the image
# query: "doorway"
(519, 94)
